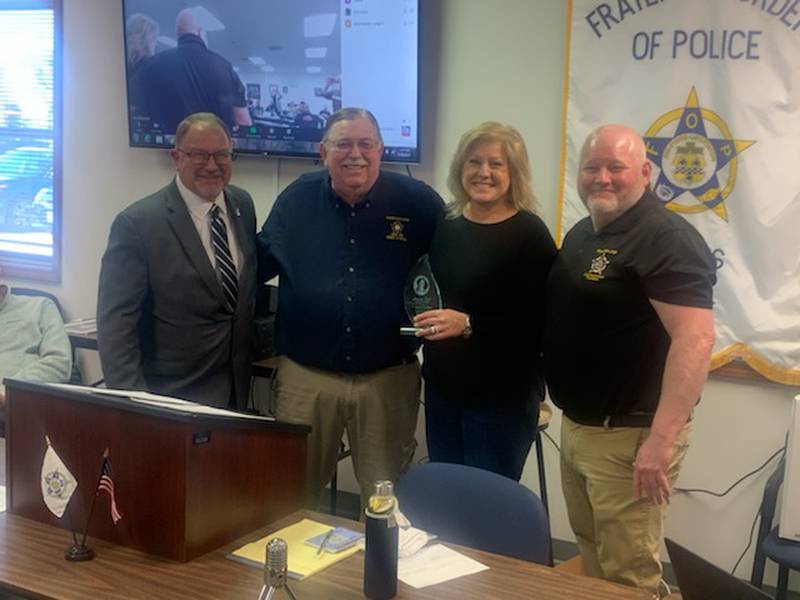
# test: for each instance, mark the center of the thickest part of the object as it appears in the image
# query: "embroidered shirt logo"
(599, 264)
(397, 227)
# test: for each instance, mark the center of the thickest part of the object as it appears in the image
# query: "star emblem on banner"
(693, 161)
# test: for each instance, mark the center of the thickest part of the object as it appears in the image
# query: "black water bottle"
(380, 556)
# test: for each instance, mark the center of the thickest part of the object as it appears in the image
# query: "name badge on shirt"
(397, 228)
(599, 264)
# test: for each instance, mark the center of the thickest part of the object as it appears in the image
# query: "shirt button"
(349, 298)
(348, 329)
(353, 213)
(352, 240)
(351, 269)
(347, 358)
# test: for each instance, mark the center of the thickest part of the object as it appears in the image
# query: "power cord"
(749, 541)
(735, 483)
(552, 441)
(755, 471)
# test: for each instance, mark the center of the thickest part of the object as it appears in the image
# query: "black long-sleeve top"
(495, 273)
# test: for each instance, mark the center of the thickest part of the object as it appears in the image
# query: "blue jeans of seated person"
(492, 438)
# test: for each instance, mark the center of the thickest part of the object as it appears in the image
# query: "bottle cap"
(384, 488)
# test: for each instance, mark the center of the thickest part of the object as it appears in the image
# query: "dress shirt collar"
(198, 206)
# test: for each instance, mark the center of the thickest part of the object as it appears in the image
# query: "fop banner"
(714, 89)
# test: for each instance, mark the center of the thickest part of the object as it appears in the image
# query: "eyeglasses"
(200, 157)
(345, 145)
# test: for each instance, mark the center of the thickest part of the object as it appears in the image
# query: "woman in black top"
(490, 257)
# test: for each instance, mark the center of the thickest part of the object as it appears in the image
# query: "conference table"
(32, 565)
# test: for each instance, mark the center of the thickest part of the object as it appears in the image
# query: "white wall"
(481, 61)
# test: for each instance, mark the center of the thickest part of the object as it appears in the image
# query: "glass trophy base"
(410, 330)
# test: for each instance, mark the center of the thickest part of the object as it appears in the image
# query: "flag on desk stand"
(58, 484)
(106, 484)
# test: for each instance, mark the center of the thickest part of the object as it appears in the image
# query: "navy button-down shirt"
(342, 269)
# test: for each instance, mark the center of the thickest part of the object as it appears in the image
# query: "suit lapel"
(181, 222)
(239, 225)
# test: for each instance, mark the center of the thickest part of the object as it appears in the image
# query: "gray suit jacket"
(162, 325)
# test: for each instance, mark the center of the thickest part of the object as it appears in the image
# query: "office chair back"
(769, 545)
(476, 508)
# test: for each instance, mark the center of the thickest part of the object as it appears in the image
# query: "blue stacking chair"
(476, 508)
(784, 552)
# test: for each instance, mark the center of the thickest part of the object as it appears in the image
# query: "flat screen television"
(274, 70)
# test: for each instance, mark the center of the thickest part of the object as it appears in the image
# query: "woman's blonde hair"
(520, 192)
(140, 33)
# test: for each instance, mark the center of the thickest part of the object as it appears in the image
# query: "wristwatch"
(467, 328)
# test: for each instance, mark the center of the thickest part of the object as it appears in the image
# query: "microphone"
(275, 570)
(275, 564)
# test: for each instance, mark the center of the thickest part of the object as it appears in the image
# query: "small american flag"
(107, 485)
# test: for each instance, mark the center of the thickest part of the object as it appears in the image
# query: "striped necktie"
(225, 264)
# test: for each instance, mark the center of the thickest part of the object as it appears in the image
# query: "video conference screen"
(273, 70)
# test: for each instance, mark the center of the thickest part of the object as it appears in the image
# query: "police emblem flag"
(712, 92)
(58, 483)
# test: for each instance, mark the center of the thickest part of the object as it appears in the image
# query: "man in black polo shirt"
(189, 79)
(342, 242)
(627, 345)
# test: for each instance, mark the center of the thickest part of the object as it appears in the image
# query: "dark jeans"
(492, 438)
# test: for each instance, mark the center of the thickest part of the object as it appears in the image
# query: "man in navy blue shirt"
(343, 242)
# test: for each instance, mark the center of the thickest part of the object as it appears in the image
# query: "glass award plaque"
(420, 293)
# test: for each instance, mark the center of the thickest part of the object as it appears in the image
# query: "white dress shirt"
(200, 210)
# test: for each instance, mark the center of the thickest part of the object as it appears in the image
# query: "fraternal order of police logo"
(397, 226)
(693, 160)
(56, 484)
(599, 264)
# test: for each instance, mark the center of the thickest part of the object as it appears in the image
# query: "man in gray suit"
(177, 283)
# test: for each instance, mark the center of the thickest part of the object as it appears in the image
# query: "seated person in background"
(305, 118)
(33, 343)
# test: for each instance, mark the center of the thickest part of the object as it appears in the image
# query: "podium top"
(166, 407)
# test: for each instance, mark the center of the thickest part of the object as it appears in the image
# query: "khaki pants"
(619, 535)
(378, 410)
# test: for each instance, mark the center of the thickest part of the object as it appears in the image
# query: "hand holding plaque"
(421, 293)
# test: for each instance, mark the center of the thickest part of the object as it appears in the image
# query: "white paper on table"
(167, 402)
(435, 564)
(411, 540)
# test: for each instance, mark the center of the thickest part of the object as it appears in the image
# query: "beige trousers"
(378, 410)
(619, 535)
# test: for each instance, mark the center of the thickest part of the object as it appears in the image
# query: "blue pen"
(325, 541)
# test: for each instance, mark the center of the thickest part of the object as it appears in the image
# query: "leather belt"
(609, 421)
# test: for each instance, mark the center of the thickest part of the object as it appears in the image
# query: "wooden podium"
(185, 483)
